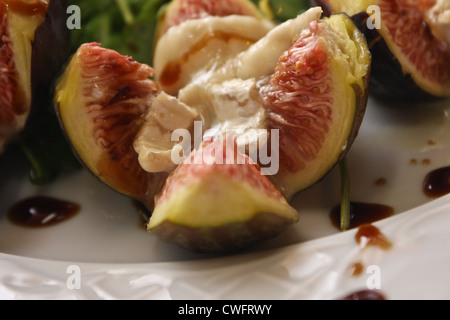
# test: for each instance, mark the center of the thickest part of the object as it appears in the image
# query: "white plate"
(116, 258)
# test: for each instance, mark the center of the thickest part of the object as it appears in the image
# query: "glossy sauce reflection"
(370, 236)
(437, 183)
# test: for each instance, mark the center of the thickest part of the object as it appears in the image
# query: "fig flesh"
(317, 99)
(411, 47)
(19, 21)
(100, 100)
(218, 201)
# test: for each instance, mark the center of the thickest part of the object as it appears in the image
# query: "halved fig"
(217, 200)
(411, 49)
(101, 100)
(25, 28)
(306, 79)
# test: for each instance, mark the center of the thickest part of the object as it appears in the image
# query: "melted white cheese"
(154, 143)
(200, 43)
(438, 19)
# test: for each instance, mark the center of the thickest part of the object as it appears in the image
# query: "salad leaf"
(127, 26)
(283, 10)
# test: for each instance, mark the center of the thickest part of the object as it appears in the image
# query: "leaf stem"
(126, 12)
(345, 196)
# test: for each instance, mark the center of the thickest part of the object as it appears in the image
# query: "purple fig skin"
(388, 79)
(50, 53)
(229, 238)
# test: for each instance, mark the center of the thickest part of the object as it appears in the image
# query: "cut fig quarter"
(213, 207)
(410, 47)
(26, 30)
(100, 100)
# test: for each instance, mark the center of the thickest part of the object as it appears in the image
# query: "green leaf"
(286, 9)
(126, 26)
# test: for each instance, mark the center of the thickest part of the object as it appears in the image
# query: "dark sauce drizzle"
(365, 295)
(361, 213)
(40, 211)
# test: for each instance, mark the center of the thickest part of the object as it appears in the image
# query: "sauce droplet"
(437, 183)
(41, 211)
(356, 269)
(361, 213)
(369, 235)
(170, 74)
(365, 295)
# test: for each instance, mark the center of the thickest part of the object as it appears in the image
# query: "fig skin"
(47, 60)
(388, 79)
(229, 238)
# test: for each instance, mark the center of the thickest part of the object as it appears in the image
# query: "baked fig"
(100, 100)
(26, 30)
(217, 200)
(311, 92)
(409, 41)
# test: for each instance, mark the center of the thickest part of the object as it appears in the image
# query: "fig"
(100, 100)
(312, 91)
(217, 200)
(410, 47)
(20, 23)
